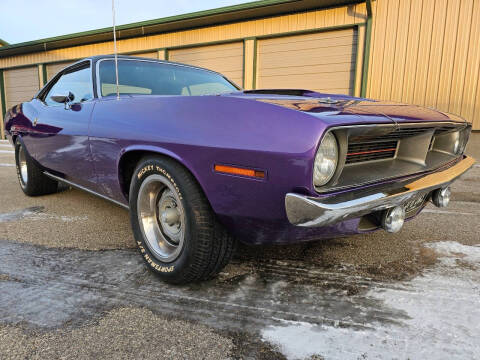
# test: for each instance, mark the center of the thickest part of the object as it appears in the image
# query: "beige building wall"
(312, 20)
(427, 52)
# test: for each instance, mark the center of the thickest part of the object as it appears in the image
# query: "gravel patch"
(125, 333)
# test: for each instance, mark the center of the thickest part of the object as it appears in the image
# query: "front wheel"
(31, 178)
(174, 226)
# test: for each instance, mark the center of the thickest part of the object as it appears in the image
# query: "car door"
(61, 142)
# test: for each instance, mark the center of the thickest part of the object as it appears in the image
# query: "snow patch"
(437, 325)
(454, 249)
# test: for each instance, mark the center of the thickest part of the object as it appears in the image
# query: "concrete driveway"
(72, 285)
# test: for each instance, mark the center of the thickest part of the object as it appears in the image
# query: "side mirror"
(63, 99)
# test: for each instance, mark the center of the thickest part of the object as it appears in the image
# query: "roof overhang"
(228, 14)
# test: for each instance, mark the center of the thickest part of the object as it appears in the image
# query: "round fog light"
(441, 197)
(393, 219)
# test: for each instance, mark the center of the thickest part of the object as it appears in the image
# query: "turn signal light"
(240, 171)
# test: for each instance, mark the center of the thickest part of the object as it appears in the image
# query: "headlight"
(452, 142)
(326, 160)
(462, 141)
(457, 144)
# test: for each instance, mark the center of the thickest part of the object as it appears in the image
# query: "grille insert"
(368, 151)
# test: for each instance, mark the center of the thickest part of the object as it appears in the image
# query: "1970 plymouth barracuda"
(200, 163)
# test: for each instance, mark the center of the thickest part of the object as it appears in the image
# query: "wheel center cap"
(170, 216)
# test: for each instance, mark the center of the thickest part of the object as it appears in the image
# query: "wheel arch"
(130, 157)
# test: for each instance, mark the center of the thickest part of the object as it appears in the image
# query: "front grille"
(405, 132)
(368, 151)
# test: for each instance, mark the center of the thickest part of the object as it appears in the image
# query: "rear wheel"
(32, 180)
(174, 226)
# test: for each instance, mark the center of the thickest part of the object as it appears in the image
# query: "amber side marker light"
(240, 171)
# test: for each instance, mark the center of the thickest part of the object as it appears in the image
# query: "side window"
(132, 78)
(78, 82)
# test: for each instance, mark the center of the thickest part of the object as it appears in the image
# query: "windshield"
(154, 78)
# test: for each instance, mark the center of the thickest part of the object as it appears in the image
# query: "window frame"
(97, 73)
(87, 64)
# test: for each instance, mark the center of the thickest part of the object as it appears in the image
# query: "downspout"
(366, 53)
(44, 74)
(4, 109)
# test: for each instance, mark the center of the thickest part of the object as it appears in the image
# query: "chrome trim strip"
(80, 187)
(309, 211)
(401, 125)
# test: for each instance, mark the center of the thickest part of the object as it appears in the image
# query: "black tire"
(206, 247)
(32, 181)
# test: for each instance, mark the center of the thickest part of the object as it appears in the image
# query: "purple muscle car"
(201, 164)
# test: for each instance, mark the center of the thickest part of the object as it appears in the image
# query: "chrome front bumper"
(312, 211)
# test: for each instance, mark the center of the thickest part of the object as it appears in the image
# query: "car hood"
(332, 107)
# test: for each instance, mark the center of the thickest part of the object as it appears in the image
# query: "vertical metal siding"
(427, 52)
(419, 77)
(471, 87)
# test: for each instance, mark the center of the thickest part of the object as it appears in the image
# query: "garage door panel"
(327, 79)
(306, 43)
(20, 85)
(209, 54)
(226, 59)
(303, 45)
(232, 59)
(236, 77)
(312, 56)
(320, 61)
(23, 83)
(211, 49)
(314, 69)
(306, 63)
(219, 63)
(315, 35)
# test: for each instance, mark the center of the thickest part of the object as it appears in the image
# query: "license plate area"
(413, 205)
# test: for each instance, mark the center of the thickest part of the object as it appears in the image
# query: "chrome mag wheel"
(22, 165)
(161, 217)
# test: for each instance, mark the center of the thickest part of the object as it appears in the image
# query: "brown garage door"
(322, 62)
(226, 59)
(20, 85)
